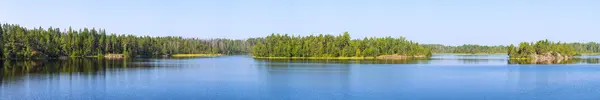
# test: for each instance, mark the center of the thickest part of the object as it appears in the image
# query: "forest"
(22, 43)
(542, 47)
(278, 45)
(466, 49)
(589, 47)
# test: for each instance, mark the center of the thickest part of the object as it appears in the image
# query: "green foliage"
(1, 41)
(22, 43)
(277, 45)
(542, 47)
(512, 50)
(590, 47)
(467, 48)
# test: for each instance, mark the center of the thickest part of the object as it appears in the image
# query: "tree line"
(542, 47)
(589, 47)
(278, 45)
(23, 43)
(466, 48)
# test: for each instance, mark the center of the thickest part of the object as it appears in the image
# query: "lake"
(442, 77)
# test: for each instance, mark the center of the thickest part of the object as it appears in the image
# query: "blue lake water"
(442, 77)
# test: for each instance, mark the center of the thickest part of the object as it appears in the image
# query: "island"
(542, 51)
(278, 46)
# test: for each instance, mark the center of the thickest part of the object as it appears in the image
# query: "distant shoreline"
(383, 57)
(317, 58)
(595, 53)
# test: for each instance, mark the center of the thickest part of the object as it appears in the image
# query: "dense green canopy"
(277, 45)
(22, 43)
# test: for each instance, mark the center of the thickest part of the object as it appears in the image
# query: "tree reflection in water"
(12, 69)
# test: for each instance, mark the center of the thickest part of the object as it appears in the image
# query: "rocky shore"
(548, 58)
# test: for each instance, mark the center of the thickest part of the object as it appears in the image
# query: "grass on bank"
(196, 55)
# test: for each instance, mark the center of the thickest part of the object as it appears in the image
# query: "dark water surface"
(443, 77)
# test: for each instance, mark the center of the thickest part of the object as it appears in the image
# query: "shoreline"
(319, 58)
(196, 55)
(596, 53)
(382, 57)
(119, 56)
(546, 58)
(470, 53)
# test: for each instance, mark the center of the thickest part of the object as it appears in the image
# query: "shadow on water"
(366, 61)
(447, 59)
(404, 61)
(12, 70)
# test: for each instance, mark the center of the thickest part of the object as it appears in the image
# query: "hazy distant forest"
(466, 49)
(20, 42)
(590, 47)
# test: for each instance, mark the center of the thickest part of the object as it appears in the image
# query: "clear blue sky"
(452, 22)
